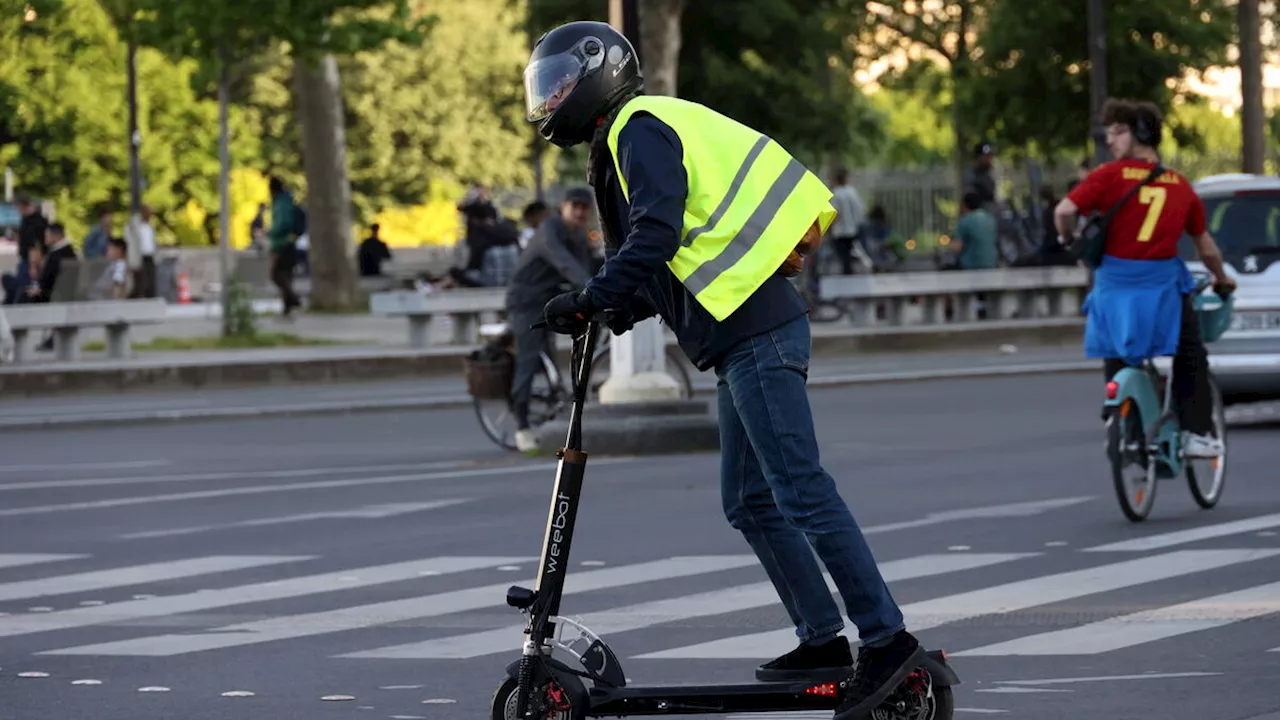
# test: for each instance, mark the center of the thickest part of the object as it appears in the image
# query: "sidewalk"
(447, 391)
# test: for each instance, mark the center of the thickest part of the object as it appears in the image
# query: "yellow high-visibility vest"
(749, 202)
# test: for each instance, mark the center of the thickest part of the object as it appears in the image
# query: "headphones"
(1146, 130)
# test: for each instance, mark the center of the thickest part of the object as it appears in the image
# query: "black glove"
(623, 319)
(568, 313)
(620, 321)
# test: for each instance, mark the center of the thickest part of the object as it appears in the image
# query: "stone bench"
(1025, 294)
(467, 307)
(66, 319)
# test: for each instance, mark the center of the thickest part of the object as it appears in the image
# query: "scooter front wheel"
(505, 702)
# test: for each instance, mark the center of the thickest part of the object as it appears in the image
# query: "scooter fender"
(939, 670)
(1134, 384)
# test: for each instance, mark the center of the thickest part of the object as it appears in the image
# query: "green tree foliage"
(449, 111)
(783, 67)
(1032, 87)
(63, 120)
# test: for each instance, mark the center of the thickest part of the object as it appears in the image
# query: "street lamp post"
(1097, 78)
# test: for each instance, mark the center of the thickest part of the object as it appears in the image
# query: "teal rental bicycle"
(1144, 437)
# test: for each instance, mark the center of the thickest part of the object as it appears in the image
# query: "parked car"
(1243, 214)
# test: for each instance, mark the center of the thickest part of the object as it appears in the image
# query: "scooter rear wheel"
(918, 698)
(505, 703)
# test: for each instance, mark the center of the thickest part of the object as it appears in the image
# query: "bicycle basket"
(1214, 315)
(489, 373)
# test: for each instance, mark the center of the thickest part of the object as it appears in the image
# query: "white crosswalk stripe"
(1144, 627)
(393, 611)
(1181, 537)
(244, 594)
(1011, 597)
(425, 595)
(643, 615)
(20, 559)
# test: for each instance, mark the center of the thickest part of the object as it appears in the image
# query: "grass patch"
(235, 342)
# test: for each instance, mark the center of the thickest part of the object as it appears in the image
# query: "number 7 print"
(1154, 196)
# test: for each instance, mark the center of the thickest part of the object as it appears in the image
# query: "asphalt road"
(366, 557)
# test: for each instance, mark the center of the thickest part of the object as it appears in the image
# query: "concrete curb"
(461, 399)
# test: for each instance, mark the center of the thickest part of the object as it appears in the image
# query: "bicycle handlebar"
(1205, 280)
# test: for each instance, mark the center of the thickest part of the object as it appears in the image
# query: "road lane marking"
(262, 489)
(139, 574)
(374, 512)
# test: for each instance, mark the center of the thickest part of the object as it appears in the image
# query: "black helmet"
(577, 74)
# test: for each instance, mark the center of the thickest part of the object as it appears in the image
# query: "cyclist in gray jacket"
(557, 254)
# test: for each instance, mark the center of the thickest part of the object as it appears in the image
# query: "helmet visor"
(549, 81)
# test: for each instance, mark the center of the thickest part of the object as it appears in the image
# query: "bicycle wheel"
(1212, 470)
(1133, 469)
(546, 397)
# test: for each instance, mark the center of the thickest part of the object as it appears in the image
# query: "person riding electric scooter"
(705, 219)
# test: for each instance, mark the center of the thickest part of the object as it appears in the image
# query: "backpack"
(299, 220)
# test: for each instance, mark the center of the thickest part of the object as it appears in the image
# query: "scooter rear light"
(1113, 389)
(828, 689)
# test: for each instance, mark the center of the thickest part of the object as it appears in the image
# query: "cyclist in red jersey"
(1140, 306)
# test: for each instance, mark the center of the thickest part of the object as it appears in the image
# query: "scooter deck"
(713, 699)
(817, 692)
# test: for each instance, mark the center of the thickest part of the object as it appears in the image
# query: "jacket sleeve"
(650, 159)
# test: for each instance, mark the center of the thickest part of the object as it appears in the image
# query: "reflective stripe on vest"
(749, 202)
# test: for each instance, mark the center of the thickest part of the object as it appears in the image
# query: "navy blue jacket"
(636, 277)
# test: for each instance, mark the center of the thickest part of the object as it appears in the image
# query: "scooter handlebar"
(600, 317)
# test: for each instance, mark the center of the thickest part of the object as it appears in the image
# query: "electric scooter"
(539, 685)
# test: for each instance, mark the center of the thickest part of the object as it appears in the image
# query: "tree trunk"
(328, 203)
(1253, 142)
(660, 44)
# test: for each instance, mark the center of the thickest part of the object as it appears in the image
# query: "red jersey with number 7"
(1151, 222)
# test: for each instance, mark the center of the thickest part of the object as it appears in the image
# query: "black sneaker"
(806, 661)
(877, 673)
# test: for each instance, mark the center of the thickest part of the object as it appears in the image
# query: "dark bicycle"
(491, 369)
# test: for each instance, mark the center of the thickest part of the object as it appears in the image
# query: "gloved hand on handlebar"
(568, 313)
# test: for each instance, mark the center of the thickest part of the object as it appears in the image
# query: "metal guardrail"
(958, 300)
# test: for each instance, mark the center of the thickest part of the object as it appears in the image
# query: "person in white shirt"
(144, 276)
(850, 214)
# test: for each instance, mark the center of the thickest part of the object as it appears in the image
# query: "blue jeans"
(776, 493)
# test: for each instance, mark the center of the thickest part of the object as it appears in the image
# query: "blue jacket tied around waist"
(1135, 308)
